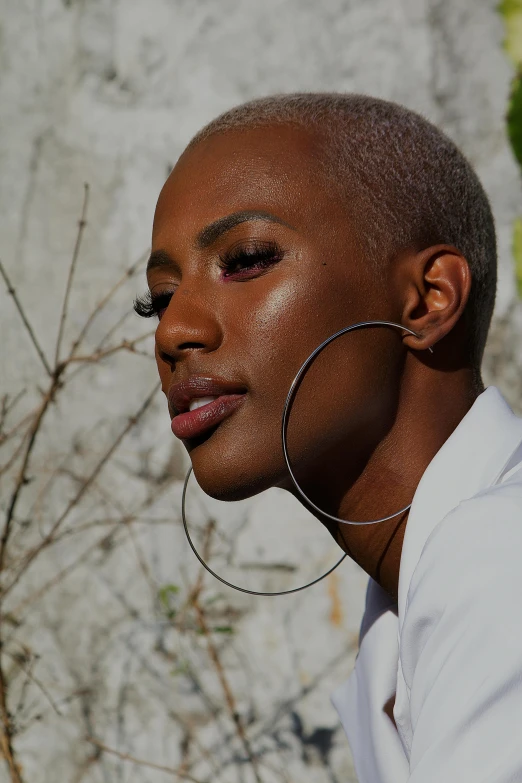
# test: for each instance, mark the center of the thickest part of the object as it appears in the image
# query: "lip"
(187, 424)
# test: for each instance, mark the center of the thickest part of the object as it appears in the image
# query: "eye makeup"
(243, 261)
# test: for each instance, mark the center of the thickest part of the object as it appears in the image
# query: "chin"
(226, 475)
(226, 486)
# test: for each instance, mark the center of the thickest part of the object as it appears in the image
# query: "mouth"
(200, 403)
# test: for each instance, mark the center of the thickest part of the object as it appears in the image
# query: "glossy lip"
(181, 394)
(190, 424)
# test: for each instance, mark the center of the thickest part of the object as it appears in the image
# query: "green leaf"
(511, 11)
(165, 595)
(223, 629)
(514, 117)
(517, 253)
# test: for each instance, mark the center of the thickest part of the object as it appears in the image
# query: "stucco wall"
(108, 93)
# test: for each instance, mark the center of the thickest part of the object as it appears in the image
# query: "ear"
(435, 286)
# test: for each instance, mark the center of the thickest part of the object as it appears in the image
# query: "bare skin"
(376, 406)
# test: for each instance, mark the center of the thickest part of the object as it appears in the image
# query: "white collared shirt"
(449, 652)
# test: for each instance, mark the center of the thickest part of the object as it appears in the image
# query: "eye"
(248, 261)
(150, 304)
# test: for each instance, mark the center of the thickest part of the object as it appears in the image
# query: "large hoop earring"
(286, 410)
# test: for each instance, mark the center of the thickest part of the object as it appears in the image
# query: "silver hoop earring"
(286, 410)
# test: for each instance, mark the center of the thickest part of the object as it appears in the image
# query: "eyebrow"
(160, 258)
(214, 230)
(208, 235)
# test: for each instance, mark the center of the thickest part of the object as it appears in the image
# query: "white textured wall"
(109, 92)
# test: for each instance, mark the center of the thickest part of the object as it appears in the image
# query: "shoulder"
(484, 532)
(467, 585)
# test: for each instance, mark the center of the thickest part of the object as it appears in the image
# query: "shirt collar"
(473, 458)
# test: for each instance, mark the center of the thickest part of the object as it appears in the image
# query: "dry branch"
(12, 626)
(101, 304)
(6, 408)
(194, 600)
(19, 660)
(72, 268)
(6, 735)
(83, 489)
(125, 345)
(22, 474)
(178, 773)
(11, 290)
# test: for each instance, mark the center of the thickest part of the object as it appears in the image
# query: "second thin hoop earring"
(286, 411)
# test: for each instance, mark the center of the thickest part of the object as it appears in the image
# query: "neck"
(428, 412)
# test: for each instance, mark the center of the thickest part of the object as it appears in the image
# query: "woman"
(284, 221)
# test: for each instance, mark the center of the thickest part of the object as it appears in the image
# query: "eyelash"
(240, 259)
(241, 263)
(149, 304)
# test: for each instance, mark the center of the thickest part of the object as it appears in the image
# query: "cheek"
(275, 335)
(277, 331)
(271, 323)
(263, 347)
(346, 395)
(342, 407)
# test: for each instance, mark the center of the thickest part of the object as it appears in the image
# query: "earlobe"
(438, 284)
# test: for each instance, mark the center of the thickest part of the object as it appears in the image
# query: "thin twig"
(5, 436)
(4, 410)
(14, 456)
(7, 407)
(27, 325)
(33, 512)
(30, 676)
(125, 519)
(60, 575)
(125, 345)
(23, 695)
(77, 497)
(22, 477)
(114, 328)
(95, 523)
(195, 591)
(227, 690)
(55, 380)
(214, 657)
(101, 304)
(141, 762)
(141, 560)
(81, 227)
(6, 733)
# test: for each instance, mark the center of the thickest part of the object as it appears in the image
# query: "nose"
(189, 324)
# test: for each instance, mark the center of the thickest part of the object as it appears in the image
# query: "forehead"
(272, 168)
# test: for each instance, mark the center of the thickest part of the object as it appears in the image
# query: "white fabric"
(450, 650)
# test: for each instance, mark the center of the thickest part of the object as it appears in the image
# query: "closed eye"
(249, 260)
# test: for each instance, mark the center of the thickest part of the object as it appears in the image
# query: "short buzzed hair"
(406, 182)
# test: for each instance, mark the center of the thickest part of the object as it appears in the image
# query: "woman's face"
(256, 264)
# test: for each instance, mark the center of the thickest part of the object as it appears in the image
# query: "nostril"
(172, 357)
(190, 346)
